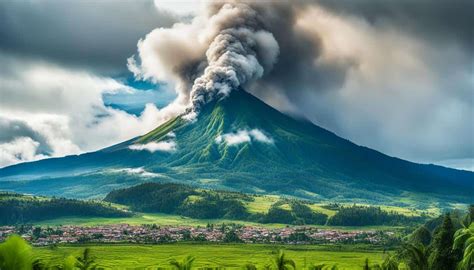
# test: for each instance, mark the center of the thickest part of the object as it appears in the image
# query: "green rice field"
(229, 256)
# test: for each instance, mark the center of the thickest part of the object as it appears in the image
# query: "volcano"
(240, 143)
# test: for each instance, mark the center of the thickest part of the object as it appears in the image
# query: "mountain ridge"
(279, 154)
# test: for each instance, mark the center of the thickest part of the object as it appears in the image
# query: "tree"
(15, 254)
(464, 240)
(86, 261)
(232, 237)
(415, 256)
(184, 264)
(442, 255)
(366, 264)
(283, 263)
(69, 263)
(390, 263)
(421, 235)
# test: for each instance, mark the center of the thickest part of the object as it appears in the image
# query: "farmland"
(230, 256)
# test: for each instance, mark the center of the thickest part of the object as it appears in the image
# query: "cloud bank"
(58, 61)
(97, 35)
(66, 112)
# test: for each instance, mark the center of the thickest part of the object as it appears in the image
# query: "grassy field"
(233, 256)
(176, 220)
(261, 204)
(144, 218)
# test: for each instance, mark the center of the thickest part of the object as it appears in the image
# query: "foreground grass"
(230, 256)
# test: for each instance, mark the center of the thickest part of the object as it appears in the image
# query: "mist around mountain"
(241, 144)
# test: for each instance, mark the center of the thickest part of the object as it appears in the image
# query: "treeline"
(183, 200)
(207, 204)
(300, 214)
(370, 216)
(16, 210)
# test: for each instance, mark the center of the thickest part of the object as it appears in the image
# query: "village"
(153, 234)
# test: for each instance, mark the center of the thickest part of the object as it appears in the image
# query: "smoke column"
(239, 53)
(216, 53)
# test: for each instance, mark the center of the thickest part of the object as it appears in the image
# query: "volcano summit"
(240, 143)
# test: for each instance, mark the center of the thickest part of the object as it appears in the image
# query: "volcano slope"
(240, 143)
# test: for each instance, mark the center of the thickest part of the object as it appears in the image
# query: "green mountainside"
(277, 154)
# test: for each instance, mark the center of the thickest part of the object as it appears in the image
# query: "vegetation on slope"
(365, 216)
(19, 209)
(184, 200)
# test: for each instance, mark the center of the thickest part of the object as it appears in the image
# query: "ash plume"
(240, 52)
(258, 46)
(218, 52)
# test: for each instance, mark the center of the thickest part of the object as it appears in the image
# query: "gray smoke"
(238, 54)
(258, 46)
(225, 49)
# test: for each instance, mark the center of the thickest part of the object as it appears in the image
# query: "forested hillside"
(20, 209)
(187, 201)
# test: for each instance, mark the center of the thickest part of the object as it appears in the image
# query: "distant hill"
(242, 144)
(24, 209)
(214, 204)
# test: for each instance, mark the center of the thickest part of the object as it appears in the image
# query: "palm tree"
(416, 256)
(464, 240)
(283, 263)
(69, 263)
(86, 261)
(16, 254)
(390, 263)
(184, 264)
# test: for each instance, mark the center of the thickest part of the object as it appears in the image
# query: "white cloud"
(260, 136)
(171, 134)
(19, 150)
(137, 171)
(165, 146)
(66, 108)
(180, 7)
(243, 136)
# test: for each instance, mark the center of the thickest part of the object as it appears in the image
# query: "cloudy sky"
(396, 76)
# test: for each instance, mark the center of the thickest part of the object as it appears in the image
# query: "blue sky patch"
(145, 92)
